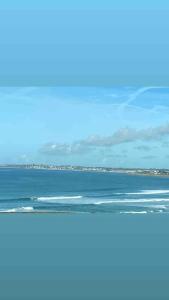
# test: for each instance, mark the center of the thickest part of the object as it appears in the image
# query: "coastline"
(64, 192)
(127, 171)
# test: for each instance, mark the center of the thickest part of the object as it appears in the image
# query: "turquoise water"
(100, 252)
(27, 190)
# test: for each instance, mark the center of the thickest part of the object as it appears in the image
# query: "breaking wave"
(56, 199)
(18, 210)
(134, 212)
(146, 192)
(93, 201)
(133, 201)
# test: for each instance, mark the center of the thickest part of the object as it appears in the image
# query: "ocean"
(32, 190)
(111, 242)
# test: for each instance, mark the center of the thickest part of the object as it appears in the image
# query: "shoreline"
(139, 172)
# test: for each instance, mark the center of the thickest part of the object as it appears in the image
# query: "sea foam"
(18, 210)
(146, 192)
(133, 201)
(57, 198)
(134, 212)
(80, 200)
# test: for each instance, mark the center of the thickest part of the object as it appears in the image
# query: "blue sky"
(119, 127)
(75, 4)
(83, 43)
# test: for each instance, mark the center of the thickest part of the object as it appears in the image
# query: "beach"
(58, 256)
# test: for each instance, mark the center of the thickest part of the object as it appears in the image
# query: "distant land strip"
(130, 171)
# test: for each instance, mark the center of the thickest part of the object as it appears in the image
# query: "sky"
(75, 4)
(116, 127)
(82, 43)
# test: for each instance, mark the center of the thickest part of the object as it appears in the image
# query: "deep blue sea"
(30, 190)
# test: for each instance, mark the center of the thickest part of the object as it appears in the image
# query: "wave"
(18, 210)
(18, 199)
(134, 212)
(83, 200)
(133, 201)
(80, 200)
(142, 212)
(55, 199)
(87, 198)
(146, 192)
(160, 206)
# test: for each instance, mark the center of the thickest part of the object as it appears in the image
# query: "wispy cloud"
(64, 149)
(121, 136)
(134, 95)
(126, 135)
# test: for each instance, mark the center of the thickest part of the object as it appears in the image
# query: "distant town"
(130, 171)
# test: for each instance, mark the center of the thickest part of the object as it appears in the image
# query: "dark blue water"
(26, 190)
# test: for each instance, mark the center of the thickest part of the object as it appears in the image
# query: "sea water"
(111, 243)
(32, 190)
